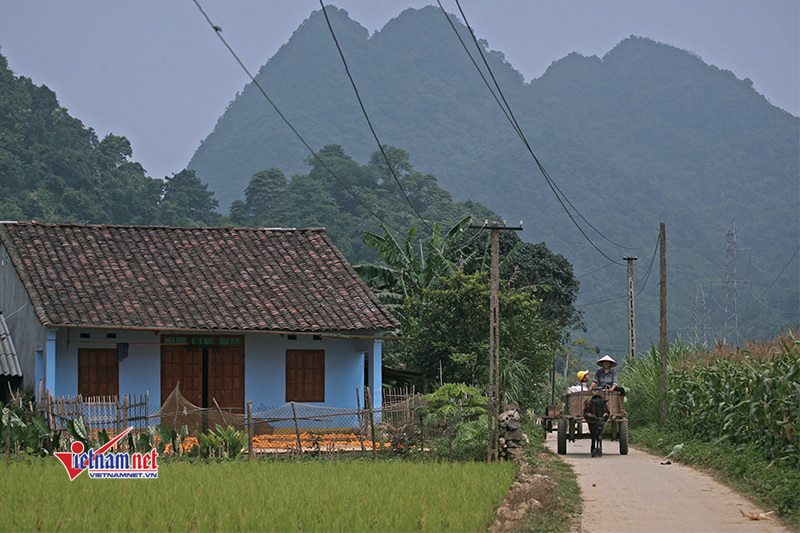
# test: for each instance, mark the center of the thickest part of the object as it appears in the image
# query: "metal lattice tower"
(731, 305)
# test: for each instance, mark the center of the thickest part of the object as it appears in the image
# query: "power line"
(218, 32)
(765, 304)
(603, 301)
(510, 116)
(366, 116)
(593, 271)
(644, 284)
(780, 273)
(649, 268)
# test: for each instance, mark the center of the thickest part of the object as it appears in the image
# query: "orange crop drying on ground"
(308, 440)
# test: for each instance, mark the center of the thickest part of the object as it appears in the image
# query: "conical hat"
(606, 358)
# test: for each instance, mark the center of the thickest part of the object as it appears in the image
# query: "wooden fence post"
(297, 430)
(371, 423)
(8, 435)
(250, 452)
(124, 414)
(175, 420)
(221, 414)
(360, 422)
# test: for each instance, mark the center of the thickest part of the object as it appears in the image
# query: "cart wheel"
(562, 436)
(623, 438)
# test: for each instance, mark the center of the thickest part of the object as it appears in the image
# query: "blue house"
(233, 314)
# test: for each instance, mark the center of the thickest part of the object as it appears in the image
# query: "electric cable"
(593, 271)
(602, 301)
(510, 116)
(650, 268)
(779, 274)
(765, 304)
(366, 116)
(644, 284)
(218, 31)
(751, 263)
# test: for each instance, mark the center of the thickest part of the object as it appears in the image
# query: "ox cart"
(571, 418)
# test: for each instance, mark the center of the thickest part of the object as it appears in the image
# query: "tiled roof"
(190, 278)
(9, 364)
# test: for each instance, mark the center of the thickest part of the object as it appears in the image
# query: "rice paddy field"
(345, 495)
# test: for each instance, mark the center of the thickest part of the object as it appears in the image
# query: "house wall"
(265, 364)
(140, 372)
(28, 334)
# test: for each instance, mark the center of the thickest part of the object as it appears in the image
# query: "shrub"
(456, 414)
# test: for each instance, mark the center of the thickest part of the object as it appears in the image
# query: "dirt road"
(635, 493)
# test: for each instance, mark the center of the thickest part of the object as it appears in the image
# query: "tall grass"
(262, 495)
(642, 381)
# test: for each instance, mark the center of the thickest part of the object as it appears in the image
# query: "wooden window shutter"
(305, 375)
(98, 372)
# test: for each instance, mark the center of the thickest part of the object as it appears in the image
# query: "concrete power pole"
(631, 311)
(493, 451)
(662, 345)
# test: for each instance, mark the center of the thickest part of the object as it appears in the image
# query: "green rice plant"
(258, 496)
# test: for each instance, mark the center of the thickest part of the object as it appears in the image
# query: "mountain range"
(648, 133)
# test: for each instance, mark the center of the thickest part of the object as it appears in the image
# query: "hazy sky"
(153, 71)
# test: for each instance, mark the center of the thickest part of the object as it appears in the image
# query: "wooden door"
(226, 376)
(184, 364)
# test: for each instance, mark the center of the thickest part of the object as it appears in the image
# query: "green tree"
(264, 196)
(533, 266)
(53, 169)
(450, 327)
(187, 201)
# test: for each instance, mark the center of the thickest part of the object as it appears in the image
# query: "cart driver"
(606, 377)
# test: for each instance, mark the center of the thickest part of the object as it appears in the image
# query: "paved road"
(635, 493)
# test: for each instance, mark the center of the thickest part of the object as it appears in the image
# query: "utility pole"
(493, 409)
(631, 311)
(663, 323)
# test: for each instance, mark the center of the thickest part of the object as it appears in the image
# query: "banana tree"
(411, 267)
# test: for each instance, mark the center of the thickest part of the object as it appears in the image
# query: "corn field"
(749, 397)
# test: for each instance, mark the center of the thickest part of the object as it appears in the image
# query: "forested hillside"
(359, 199)
(647, 133)
(54, 169)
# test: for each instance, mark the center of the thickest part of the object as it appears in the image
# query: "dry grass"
(759, 350)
